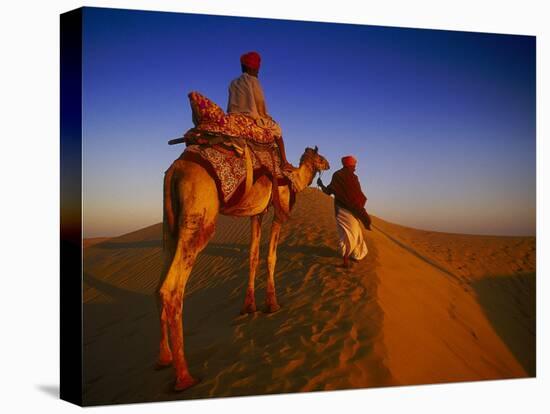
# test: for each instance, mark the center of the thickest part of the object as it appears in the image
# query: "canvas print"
(272, 206)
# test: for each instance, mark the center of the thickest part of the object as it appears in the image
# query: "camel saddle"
(235, 165)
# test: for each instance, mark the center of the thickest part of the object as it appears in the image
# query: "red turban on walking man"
(349, 161)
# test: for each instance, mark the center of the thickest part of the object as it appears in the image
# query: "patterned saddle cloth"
(229, 168)
(211, 120)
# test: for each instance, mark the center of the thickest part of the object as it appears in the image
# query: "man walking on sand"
(349, 206)
(246, 96)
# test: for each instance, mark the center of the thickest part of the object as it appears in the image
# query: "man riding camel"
(246, 97)
(349, 207)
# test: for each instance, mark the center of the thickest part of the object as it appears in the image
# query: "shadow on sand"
(121, 339)
(230, 250)
(122, 333)
(509, 303)
(113, 245)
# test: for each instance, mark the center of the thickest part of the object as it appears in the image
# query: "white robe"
(246, 96)
(350, 234)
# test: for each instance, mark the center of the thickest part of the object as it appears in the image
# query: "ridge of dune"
(489, 293)
(434, 328)
(393, 318)
(91, 241)
(467, 256)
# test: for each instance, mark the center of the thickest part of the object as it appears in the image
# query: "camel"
(191, 207)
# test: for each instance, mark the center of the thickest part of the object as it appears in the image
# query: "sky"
(442, 122)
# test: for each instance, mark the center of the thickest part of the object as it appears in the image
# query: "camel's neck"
(303, 176)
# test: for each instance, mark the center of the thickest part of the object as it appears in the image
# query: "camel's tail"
(169, 216)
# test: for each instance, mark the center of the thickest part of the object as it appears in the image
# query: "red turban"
(251, 60)
(349, 161)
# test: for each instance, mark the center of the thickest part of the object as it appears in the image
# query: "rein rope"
(320, 177)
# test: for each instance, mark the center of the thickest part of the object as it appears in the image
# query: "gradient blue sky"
(442, 123)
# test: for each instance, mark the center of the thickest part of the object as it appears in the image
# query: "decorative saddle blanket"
(229, 169)
(210, 119)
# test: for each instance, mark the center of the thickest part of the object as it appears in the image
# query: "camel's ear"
(316, 149)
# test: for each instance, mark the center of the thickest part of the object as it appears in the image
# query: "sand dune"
(93, 240)
(410, 313)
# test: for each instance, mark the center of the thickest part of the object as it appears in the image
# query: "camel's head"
(316, 160)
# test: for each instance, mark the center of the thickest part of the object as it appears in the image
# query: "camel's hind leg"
(169, 250)
(169, 234)
(193, 222)
(271, 298)
(193, 237)
(256, 232)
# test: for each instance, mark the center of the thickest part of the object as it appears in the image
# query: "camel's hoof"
(272, 308)
(249, 302)
(251, 308)
(184, 383)
(344, 265)
(163, 364)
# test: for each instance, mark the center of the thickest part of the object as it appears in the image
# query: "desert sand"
(423, 307)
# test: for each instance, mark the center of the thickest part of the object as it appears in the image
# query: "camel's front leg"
(256, 232)
(271, 299)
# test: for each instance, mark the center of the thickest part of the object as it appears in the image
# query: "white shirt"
(246, 96)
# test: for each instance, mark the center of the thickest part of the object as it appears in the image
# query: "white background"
(29, 205)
